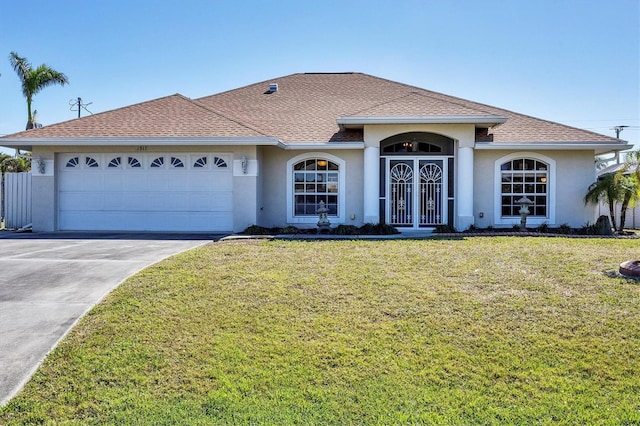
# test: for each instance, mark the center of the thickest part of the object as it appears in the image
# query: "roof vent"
(273, 87)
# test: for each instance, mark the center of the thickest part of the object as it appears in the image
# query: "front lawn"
(500, 330)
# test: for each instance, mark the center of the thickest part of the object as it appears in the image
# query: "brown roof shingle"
(303, 109)
(172, 116)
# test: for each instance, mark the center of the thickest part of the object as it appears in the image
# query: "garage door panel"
(136, 181)
(179, 182)
(144, 199)
(115, 181)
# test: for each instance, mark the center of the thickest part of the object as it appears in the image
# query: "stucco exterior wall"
(273, 210)
(575, 171)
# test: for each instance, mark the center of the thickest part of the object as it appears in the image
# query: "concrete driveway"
(48, 281)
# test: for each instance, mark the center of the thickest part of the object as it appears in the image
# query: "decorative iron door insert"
(401, 190)
(430, 197)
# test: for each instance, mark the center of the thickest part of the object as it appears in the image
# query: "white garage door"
(145, 192)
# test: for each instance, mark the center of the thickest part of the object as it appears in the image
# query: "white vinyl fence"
(632, 221)
(17, 200)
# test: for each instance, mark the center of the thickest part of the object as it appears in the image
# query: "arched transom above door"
(417, 143)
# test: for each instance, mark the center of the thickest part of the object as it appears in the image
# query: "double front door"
(416, 192)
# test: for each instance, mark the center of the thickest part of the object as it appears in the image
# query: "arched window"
(524, 177)
(312, 178)
(529, 175)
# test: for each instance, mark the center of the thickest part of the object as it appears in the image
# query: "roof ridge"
(220, 114)
(491, 107)
(381, 103)
(247, 85)
(92, 116)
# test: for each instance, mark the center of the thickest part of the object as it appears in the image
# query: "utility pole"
(618, 129)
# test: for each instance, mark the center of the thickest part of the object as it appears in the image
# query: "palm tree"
(629, 182)
(14, 165)
(605, 189)
(34, 80)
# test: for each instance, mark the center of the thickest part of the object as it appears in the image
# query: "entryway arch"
(417, 180)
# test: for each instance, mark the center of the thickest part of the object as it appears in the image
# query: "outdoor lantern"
(323, 220)
(524, 211)
(243, 164)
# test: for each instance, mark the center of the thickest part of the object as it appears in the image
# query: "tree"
(34, 80)
(605, 189)
(15, 165)
(628, 180)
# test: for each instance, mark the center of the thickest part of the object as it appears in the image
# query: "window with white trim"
(315, 180)
(524, 177)
(311, 178)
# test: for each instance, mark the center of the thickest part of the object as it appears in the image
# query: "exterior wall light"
(42, 165)
(244, 163)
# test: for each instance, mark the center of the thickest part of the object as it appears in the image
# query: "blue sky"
(572, 61)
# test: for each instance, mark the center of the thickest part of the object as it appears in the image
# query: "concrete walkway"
(49, 281)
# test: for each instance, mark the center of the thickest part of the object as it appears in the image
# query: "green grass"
(476, 331)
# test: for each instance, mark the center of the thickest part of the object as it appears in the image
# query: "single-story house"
(371, 149)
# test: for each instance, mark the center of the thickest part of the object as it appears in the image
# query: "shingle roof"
(172, 116)
(303, 109)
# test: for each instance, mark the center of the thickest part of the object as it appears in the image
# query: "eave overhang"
(355, 122)
(29, 143)
(598, 147)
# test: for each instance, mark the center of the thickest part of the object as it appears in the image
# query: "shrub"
(378, 229)
(444, 229)
(259, 230)
(346, 230)
(290, 230)
(544, 227)
(564, 229)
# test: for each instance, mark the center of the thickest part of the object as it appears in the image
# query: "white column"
(371, 184)
(464, 195)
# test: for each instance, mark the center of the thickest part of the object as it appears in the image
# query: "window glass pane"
(311, 184)
(506, 166)
(532, 184)
(540, 166)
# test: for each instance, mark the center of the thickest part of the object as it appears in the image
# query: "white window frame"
(291, 218)
(551, 188)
